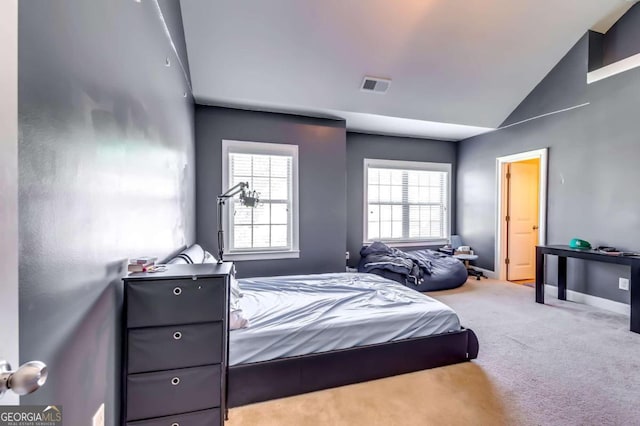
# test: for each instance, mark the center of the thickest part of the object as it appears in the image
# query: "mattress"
(306, 314)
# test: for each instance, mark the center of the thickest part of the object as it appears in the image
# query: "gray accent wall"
(593, 167)
(106, 171)
(361, 146)
(596, 50)
(172, 17)
(321, 162)
(623, 39)
(568, 75)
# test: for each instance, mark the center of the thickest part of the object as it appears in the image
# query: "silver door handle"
(27, 379)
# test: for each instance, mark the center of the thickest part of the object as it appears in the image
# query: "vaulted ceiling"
(458, 67)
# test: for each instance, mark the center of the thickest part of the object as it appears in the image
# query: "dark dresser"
(175, 346)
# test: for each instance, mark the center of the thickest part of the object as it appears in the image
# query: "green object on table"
(577, 243)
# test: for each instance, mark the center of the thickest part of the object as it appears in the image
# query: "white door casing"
(501, 162)
(9, 187)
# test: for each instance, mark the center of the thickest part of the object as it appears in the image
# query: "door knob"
(535, 227)
(27, 379)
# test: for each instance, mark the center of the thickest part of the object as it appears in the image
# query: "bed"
(312, 332)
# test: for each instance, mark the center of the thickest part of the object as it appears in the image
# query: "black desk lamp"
(247, 198)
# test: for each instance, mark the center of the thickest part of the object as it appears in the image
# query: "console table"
(563, 252)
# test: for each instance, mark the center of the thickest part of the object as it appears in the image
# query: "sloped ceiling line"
(466, 63)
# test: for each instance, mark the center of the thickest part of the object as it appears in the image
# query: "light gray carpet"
(557, 364)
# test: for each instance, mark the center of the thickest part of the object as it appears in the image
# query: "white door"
(9, 187)
(522, 226)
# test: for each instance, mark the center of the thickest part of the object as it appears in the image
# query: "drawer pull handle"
(177, 335)
(175, 381)
(177, 291)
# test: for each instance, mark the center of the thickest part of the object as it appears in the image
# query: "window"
(406, 201)
(270, 230)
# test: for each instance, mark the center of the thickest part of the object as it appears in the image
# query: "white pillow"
(237, 320)
(234, 288)
(209, 258)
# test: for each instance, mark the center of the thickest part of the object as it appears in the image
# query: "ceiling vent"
(375, 85)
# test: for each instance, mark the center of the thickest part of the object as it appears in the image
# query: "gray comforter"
(304, 314)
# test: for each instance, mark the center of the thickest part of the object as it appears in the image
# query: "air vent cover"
(375, 85)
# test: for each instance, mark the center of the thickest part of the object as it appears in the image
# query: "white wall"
(9, 186)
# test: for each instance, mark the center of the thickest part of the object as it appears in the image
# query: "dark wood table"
(564, 252)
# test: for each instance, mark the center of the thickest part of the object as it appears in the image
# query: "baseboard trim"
(587, 299)
(486, 272)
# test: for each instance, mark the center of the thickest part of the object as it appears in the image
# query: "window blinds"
(406, 204)
(269, 224)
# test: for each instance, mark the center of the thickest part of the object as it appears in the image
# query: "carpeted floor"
(557, 364)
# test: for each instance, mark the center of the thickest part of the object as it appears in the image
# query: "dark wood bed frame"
(262, 381)
(279, 378)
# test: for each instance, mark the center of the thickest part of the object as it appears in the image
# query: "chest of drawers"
(175, 346)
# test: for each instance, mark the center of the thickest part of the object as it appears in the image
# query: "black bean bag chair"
(446, 272)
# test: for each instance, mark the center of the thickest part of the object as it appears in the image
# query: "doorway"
(521, 214)
(521, 219)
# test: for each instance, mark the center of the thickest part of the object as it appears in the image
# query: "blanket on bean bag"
(422, 270)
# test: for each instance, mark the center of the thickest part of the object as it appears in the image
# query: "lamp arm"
(236, 189)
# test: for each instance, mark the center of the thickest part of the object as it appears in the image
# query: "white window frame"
(405, 165)
(261, 148)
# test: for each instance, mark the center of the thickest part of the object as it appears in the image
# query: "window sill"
(262, 255)
(426, 243)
